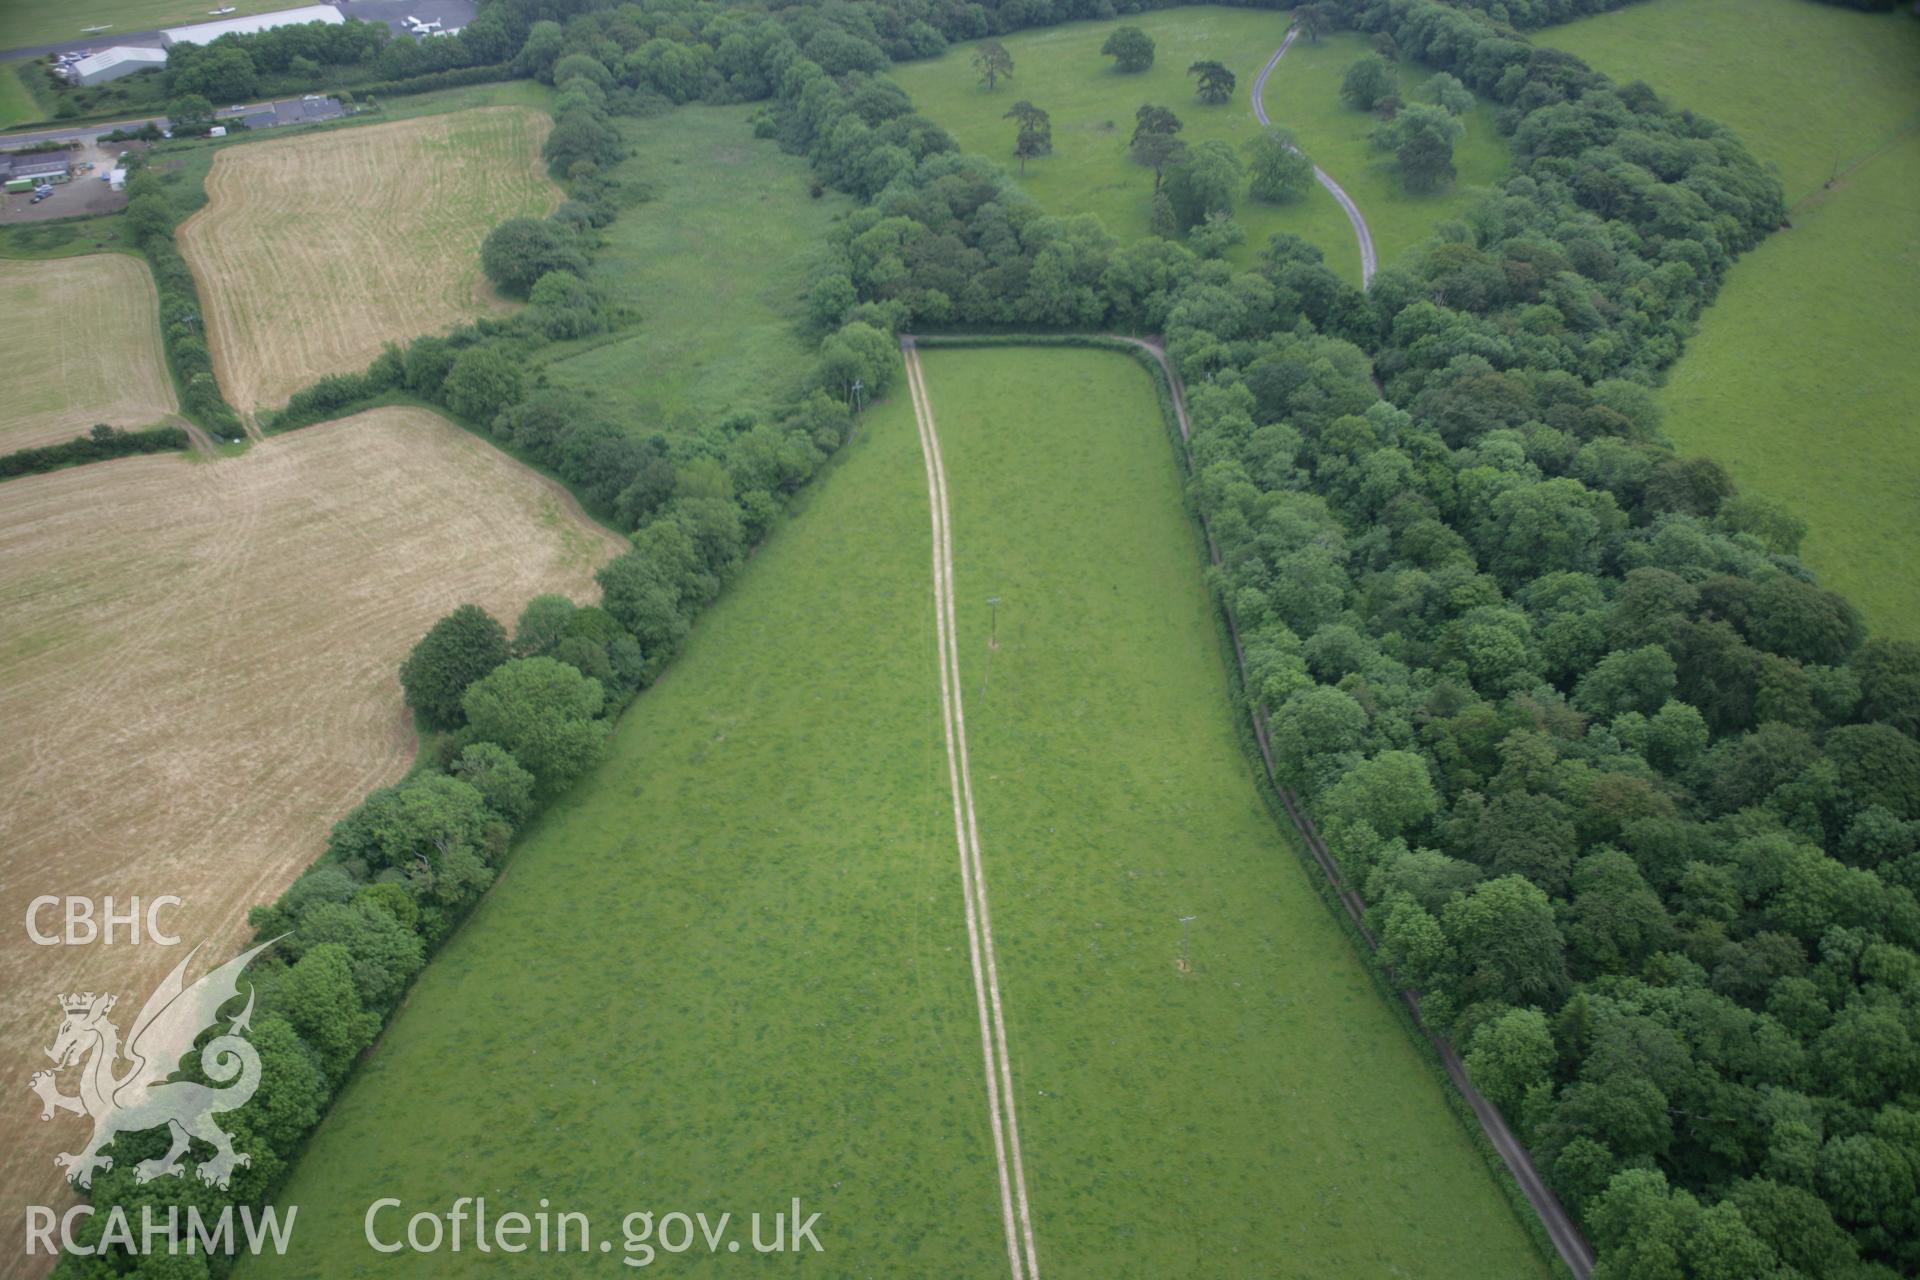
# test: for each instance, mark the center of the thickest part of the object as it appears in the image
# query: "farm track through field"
(1368, 259)
(313, 253)
(1021, 1255)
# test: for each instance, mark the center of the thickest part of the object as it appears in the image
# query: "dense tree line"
(98, 444)
(151, 217)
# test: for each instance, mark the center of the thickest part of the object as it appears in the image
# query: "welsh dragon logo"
(141, 1097)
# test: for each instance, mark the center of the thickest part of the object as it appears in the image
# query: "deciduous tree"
(1130, 48)
(1216, 81)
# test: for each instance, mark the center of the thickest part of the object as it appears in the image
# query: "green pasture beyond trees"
(716, 265)
(730, 968)
(1802, 378)
(1061, 70)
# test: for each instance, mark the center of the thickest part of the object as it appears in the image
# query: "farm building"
(208, 32)
(50, 166)
(111, 64)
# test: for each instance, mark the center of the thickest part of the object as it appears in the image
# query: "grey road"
(1368, 260)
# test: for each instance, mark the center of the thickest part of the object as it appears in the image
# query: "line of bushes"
(97, 445)
(151, 218)
(429, 82)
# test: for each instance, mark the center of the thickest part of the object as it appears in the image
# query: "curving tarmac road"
(1368, 260)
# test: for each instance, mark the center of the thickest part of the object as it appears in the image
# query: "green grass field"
(1802, 378)
(1061, 70)
(16, 103)
(731, 968)
(35, 22)
(717, 266)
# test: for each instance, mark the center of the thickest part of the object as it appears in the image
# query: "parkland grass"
(314, 252)
(715, 264)
(1304, 95)
(1061, 70)
(197, 674)
(1801, 377)
(1225, 1096)
(16, 102)
(36, 22)
(82, 337)
(730, 968)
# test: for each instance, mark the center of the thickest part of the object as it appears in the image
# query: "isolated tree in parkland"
(1035, 137)
(1216, 82)
(1154, 144)
(1421, 139)
(1130, 48)
(1312, 20)
(1278, 170)
(1366, 82)
(544, 713)
(519, 251)
(456, 651)
(994, 63)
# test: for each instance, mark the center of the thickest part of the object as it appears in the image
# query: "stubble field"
(197, 679)
(82, 343)
(314, 252)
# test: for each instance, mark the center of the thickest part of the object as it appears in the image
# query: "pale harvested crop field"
(82, 343)
(197, 679)
(313, 253)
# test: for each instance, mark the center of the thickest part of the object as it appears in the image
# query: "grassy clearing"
(33, 22)
(1287, 1122)
(313, 252)
(731, 967)
(197, 674)
(82, 337)
(1061, 69)
(716, 264)
(1801, 378)
(1304, 95)
(16, 103)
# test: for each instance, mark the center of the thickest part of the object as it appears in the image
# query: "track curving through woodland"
(1369, 260)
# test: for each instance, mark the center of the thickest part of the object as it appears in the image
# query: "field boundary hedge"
(105, 442)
